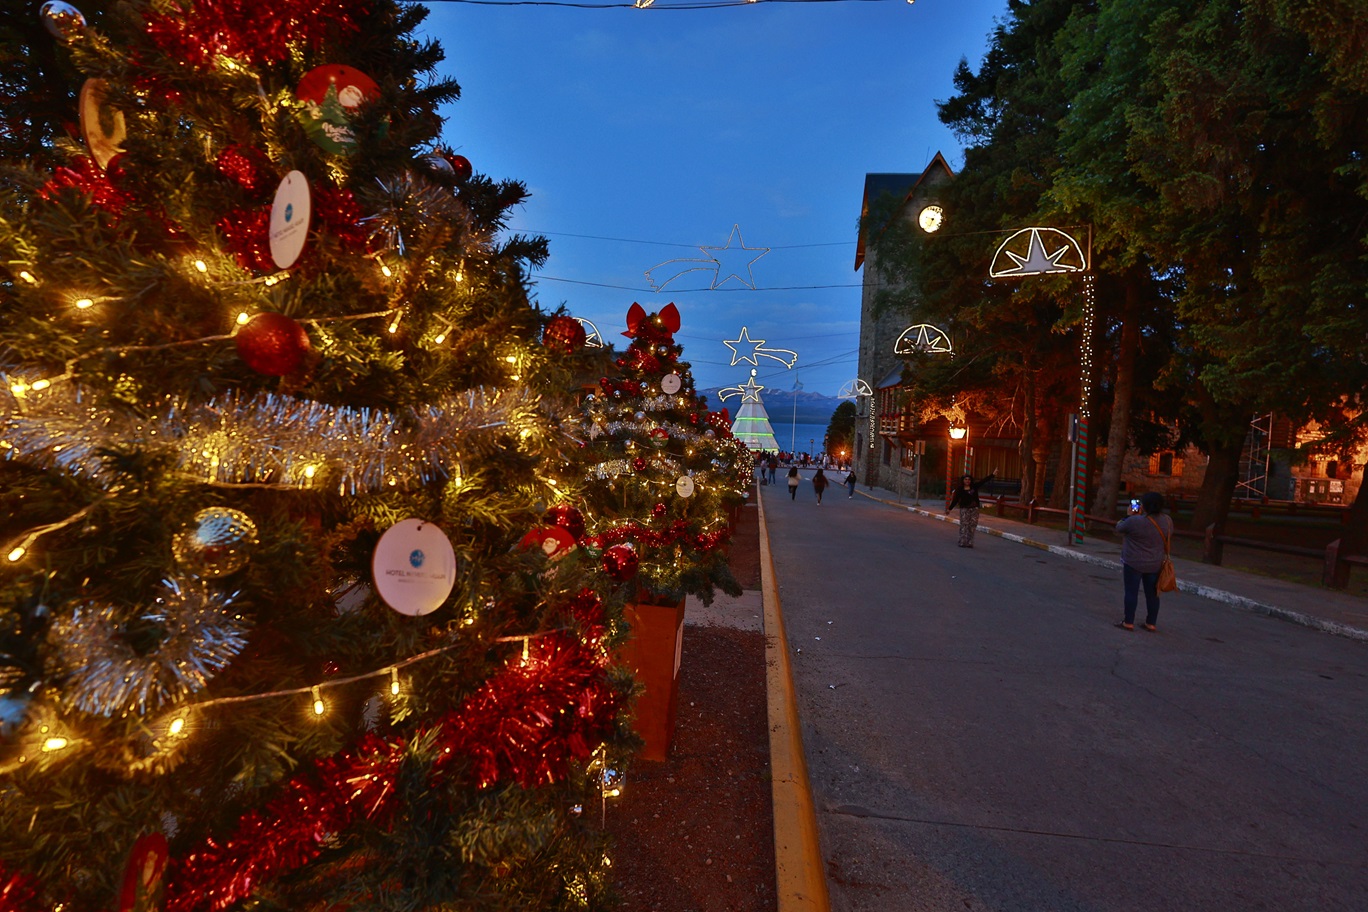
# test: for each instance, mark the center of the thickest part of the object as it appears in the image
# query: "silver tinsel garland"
(264, 439)
(200, 635)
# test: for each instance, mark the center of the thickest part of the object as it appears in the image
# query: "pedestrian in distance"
(793, 483)
(966, 497)
(819, 484)
(773, 466)
(851, 481)
(1145, 535)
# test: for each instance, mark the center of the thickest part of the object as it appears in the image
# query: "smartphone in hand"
(1135, 505)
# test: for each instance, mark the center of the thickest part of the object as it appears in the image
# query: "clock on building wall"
(930, 218)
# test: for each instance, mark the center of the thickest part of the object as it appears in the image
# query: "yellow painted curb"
(800, 875)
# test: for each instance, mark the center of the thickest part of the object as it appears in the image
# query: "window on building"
(887, 453)
(1168, 463)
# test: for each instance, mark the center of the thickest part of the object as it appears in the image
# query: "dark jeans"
(1132, 579)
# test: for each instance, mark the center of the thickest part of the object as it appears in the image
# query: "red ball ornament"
(461, 166)
(272, 344)
(568, 518)
(658, 510)
(639, 464)
(564, 334)
(620, 562)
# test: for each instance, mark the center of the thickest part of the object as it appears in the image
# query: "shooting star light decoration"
(748, 393)
(854, 389)
(1064, 254)
(923, 337)
(756, 351)
(725, 263)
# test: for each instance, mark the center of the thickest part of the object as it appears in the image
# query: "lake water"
(795, 437)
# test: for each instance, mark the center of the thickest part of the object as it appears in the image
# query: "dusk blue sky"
(645, 134)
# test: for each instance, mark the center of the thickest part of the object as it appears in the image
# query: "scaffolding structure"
(1254, 459)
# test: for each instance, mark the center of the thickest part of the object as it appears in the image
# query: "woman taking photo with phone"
(1145, 535)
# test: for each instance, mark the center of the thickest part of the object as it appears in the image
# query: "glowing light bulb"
(41, 384)
(385, 271)
(28, 277)
(440, 338)
(201, 265)
(54, 743)
(17, 554)
(83, 303)
(176, 727)
(243, 318)
(394, 681)
(309, 471)
(318, 701)
(511, 359)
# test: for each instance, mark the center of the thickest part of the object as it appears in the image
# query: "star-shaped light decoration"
(756, 351)
(731, 260)
(750, 392)
(725, 264)
(1066, 255)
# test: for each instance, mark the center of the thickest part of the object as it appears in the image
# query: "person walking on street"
(966, 497)
(773, 466)
(819, 484)
(851, 481)
(1144, 542)
(793, 483)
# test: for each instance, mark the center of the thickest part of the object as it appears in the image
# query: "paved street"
(980, 737)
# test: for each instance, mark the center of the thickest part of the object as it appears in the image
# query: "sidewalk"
(1321, 609)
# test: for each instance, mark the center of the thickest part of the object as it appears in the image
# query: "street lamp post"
(956, 433)
(1045, 251)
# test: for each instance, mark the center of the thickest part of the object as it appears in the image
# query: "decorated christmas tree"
(279, 421)
(665, 473)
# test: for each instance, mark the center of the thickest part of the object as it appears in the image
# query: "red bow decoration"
(668, 318)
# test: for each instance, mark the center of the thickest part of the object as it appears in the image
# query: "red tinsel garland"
(247, 29)
(338, 214)
(526, 724)
(676, 533)
(246, 234)
(89, 178)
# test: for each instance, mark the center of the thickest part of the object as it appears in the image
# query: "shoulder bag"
(1168, 580)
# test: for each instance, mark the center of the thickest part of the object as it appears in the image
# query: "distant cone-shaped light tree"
(752, 426)
(277, 418)
(663, 471)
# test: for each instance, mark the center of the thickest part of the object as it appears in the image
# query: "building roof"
(899, 185)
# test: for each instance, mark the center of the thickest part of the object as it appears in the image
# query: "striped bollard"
(1080, 482)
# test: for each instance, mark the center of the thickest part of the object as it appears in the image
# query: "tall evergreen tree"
(277, 416)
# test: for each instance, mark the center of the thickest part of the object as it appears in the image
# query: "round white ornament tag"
(414, 567)
(670, 384)
(290, 219)
(684, 487)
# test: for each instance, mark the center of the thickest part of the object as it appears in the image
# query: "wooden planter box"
(653, 652)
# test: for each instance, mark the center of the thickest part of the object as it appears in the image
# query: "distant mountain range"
(812, 408)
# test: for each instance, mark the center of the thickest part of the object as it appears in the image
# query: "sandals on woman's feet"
(1151, 628)
(1124, 626)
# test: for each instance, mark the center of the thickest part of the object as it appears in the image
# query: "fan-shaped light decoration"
(854, 389)
(592, 337)
(923, 338)
(1037, 251)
